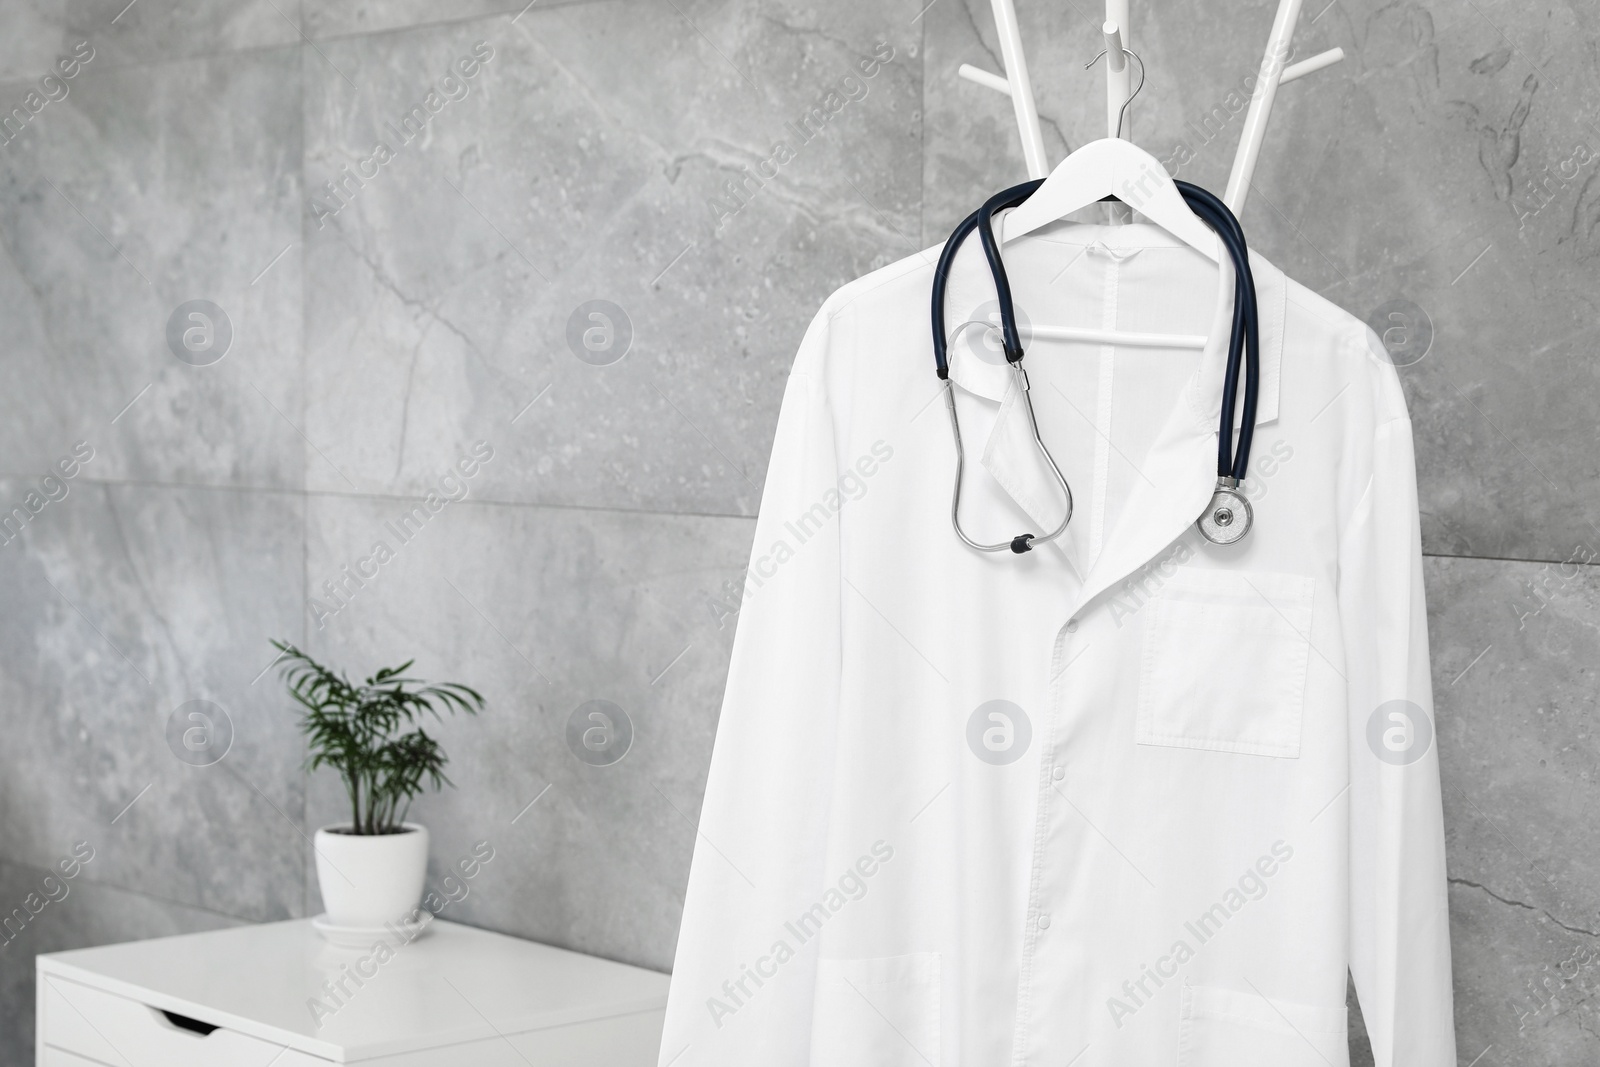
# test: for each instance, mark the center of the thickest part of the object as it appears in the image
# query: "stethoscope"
(1228, 516)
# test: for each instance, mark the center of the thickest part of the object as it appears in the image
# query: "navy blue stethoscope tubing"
(1246, 324)
(1006, 198)
(1243, 343)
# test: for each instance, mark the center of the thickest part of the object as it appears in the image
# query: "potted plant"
(372, 868)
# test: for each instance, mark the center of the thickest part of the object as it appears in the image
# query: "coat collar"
(1180, 468)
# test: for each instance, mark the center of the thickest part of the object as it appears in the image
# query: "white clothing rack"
(1119, 123)
(1119, 86)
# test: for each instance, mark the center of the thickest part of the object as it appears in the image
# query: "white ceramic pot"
(368, 881)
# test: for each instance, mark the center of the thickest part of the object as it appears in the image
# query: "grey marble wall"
(378, 331)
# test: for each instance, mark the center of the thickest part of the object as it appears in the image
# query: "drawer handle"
(183, 1022)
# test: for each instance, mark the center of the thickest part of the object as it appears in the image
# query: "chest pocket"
(1224, 662)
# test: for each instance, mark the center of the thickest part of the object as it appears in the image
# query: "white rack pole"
(1119, 83)
(979, 76)
(1311, 66)
(1255, 119)
(1021, 89)
(1119, 88)
(1272, 74)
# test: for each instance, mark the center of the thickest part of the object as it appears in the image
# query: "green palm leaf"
(370, 733)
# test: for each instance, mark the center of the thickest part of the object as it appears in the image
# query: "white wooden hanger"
(1113, 167)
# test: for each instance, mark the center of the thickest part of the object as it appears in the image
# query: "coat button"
(1044, 921)
(1059, 773)
(1072, 626)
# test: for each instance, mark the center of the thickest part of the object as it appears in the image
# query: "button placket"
(1038, 891)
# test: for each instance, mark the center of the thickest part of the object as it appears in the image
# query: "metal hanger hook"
(1127, 52)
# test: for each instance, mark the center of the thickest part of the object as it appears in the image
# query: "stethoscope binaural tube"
(1228, 516)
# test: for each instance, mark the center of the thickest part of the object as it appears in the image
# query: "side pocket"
(1227, 1028)
(877, 1012)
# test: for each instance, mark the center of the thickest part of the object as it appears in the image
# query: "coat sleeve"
(741, 988)
(1399, 915)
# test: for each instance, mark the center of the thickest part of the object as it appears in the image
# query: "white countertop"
(454, 984)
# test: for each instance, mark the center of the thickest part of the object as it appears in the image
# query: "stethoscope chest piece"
(1228, 517)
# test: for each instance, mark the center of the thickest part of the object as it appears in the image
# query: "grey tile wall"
(549, 184)
(146, 188)
(1466, 126)
(1515, 648)
(646, 155)
(545, 609)
(126, 603)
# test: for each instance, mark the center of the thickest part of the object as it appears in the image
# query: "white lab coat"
(1130, 799)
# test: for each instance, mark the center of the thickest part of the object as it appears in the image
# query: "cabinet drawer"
(106, 1028)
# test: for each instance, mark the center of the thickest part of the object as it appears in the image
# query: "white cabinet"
(278, 995)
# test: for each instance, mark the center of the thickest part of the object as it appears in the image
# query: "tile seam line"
(268, 490)
(1511, 559)
(306, 577)
(120, 888)
(22, 81)
(922, 138)
(482, 16)
(557, 506)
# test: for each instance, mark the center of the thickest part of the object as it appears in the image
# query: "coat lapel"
(1180, 470)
